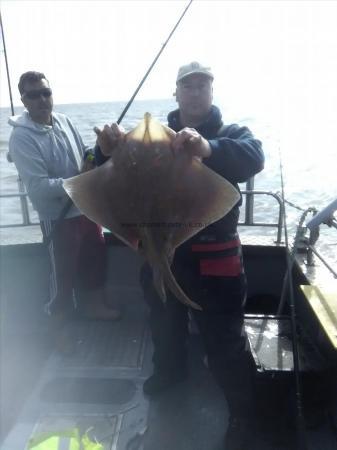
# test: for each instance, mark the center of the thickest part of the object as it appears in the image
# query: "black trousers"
(221, 327)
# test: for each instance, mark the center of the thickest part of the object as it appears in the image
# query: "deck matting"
(96, 388)
(88, 390)
(90, 344)
(91, 381)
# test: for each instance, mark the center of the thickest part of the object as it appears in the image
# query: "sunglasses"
(34, 95)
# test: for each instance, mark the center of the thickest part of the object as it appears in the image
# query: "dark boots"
(240, 434)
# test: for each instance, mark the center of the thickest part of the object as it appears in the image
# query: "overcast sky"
(272, 58)
(262, 52)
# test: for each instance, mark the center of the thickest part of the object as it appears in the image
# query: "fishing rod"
(6, 61)
(300, 424)
(9, 159)
(151, 66)
(119, 120)
(23, 200)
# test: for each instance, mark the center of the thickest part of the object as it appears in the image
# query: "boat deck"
(88, 375)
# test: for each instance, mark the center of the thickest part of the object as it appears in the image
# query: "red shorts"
(78, 258)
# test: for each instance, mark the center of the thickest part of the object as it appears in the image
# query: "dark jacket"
(209, 266)
(236, 156)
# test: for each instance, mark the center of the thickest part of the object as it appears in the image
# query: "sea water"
(306, 160)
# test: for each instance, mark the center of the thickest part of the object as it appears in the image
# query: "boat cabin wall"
(265, 267)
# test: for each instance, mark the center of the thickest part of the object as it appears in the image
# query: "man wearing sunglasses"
(46, 149)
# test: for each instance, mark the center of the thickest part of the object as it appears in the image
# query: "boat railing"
(247, 218)
(24, 207)
(308, 233)
(248, 211)
(309, 245)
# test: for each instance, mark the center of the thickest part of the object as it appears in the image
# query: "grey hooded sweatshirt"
(44, 156)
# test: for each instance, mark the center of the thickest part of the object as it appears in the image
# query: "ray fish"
(153, 199)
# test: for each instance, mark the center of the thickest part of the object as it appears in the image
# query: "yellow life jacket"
(66, 439)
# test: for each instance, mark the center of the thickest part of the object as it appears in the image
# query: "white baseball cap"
(193, 67)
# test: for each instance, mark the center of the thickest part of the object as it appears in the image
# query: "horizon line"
(94, 102)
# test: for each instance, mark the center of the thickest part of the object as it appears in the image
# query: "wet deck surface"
(94, 381)
(91, 375)
(88, 375)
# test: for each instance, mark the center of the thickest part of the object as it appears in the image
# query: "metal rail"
(25, 215)
(319, 256)
(248, 215)
(248, 219)
(249, 209)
